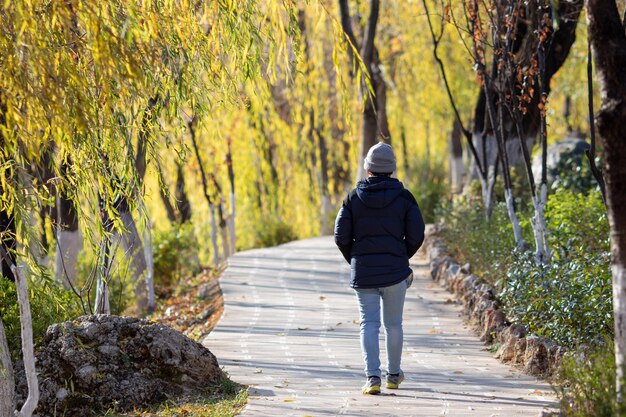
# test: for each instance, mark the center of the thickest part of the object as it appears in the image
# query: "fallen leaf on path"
(433, 331)
(322, 298)
(536, 392)
(288, 400)
(258, 371)
(458, 372)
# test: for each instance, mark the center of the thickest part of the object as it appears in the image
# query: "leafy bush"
(50, 303)
(429, 184)
(175, 256)
(568, 300)
(588, 388)
(574, 173)
(271, 232)
(119, 285)
(471, 237)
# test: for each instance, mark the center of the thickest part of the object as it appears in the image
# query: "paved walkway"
(290, 331)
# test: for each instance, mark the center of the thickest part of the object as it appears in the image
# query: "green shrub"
(50, 303)
(271, 232)
(568, 300)
(119, 284)
(428, 182)
(577, 223)
(587, 384)
(175, 256)
(485, 244)
(574, 173)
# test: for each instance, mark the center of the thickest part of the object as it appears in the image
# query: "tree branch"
(591, 152)
(367, 50)
(346, 24)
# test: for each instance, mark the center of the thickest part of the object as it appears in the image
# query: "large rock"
(100, 362)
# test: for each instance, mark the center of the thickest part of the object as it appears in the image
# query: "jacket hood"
(378, 192)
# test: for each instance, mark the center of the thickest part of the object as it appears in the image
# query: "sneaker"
(372, 386)
(394, 380)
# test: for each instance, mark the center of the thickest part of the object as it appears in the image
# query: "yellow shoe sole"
(391, 385)
(373, 390)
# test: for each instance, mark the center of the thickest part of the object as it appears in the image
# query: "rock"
(509, 339)
(537, 356)
(99, 362)
(494, 321)
(208, 291)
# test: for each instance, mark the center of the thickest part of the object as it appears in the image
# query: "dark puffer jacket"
(378, 228)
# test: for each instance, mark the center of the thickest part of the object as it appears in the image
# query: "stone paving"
(290, 331)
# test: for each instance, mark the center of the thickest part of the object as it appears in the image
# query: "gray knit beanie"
(380, 159)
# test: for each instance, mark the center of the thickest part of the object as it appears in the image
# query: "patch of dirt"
(194, 307)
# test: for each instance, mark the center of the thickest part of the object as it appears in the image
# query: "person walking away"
(379, 227)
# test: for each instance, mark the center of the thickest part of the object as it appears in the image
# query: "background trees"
(127, 127)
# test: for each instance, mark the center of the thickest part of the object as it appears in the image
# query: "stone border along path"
(290, 331)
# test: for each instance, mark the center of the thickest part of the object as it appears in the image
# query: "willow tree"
(79, 78)
(375, 126)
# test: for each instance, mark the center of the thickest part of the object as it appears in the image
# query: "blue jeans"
(369, 307)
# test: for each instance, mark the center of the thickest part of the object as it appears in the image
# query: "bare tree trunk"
(205, 188)
(7, 383)
(608, 40)
(231, 181)
(69, 241)
(101, 304)
(133, 249)
(216, 251)
(7, 227)
(375, 126)
(147, 250)
(455, 149)
(224, 229)
(26, 330)
(182, 201)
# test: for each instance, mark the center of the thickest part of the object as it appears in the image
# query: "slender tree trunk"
(591, 152)
(216, 251)
(69, 241)
(7, 227)
(180, 211)
(26, 330)
(205, 188)
(148, 250)
(101, 304)
(231, 181)
(182, 201)
(169, 207)
(224, 229)
(133, 249)
(456, 159)
(7, 223)
(7, 381)
(375, 126)
(608, 40)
